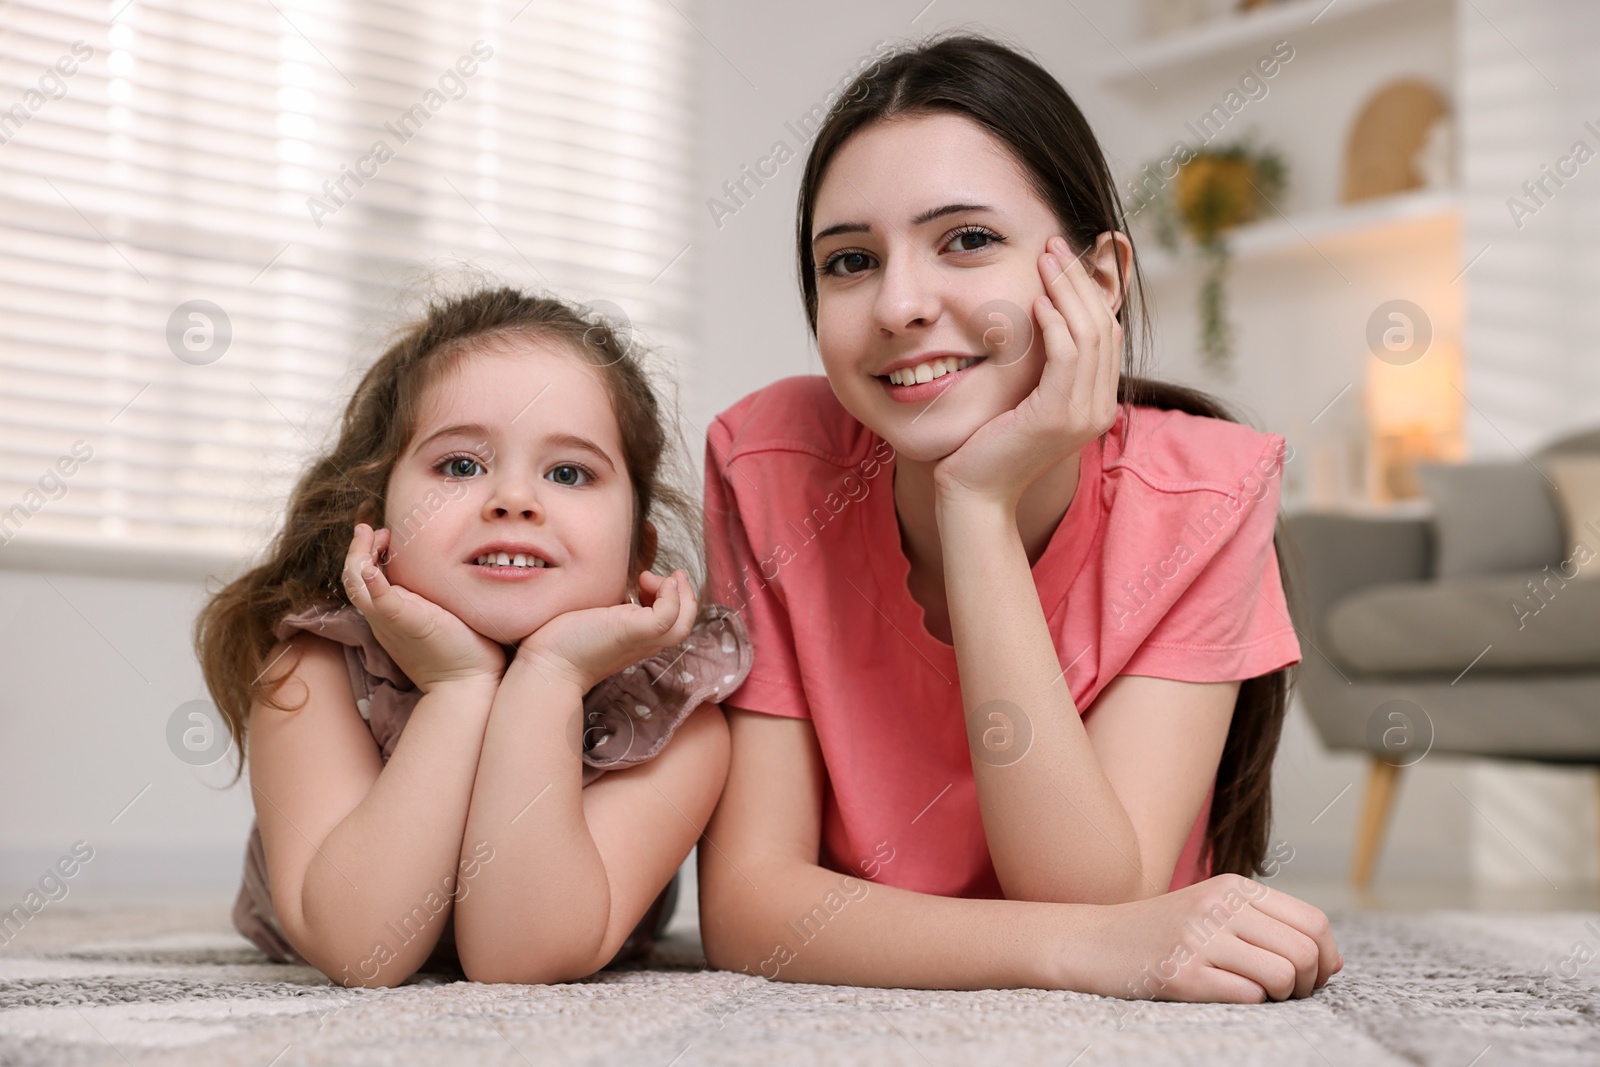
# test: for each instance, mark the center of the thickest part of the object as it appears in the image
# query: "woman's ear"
(1111, 250)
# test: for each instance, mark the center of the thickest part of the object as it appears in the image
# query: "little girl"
(459, 673)
(1021, 642)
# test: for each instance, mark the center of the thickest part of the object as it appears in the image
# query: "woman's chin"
(927, 441)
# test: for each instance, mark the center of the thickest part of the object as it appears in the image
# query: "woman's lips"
(924, 391)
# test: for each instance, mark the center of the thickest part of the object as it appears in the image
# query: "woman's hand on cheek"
(1074, 402)
(589, 645)
(428, 643)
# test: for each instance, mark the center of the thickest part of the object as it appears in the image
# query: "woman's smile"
(919, 382)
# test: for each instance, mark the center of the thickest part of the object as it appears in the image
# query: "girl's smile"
(514, 504)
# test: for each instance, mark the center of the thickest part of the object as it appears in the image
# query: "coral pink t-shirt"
(1163, 566)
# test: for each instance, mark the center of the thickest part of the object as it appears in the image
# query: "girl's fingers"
(649, 586)
(355, 559)
(378, 586)
(686, 609)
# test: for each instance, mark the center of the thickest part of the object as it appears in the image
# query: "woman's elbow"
(1079, 890)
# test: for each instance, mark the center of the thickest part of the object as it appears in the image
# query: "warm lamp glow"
(1413, 413)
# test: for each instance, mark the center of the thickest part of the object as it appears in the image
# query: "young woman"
(1021, 637)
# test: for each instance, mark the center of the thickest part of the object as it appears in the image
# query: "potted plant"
(1217, 189)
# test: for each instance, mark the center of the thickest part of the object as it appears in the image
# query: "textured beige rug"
(122, 986)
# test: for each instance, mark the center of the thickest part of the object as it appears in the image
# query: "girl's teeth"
(927, 372)
(502, 559)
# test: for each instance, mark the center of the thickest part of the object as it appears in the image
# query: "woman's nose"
(908, 296)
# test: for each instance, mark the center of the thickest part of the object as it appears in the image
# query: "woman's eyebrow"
(924, 217)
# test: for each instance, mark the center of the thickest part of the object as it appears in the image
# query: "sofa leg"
(1381, 778)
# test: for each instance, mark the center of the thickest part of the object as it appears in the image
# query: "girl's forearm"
(539, 912)
(801, 922)
(378, 891)
(1055, 827)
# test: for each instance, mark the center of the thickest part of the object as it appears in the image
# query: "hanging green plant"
(1216, 190)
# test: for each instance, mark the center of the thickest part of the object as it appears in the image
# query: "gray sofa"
(1413, 640)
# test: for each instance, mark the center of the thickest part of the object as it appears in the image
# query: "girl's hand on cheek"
(1074, 402)
(589, 645)
(430, 644)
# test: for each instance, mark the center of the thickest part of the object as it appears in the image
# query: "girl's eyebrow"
(470, 429)
(572, 440)
(478, 432)
(926, 216)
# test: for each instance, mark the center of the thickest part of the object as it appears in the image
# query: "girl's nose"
(513, 497)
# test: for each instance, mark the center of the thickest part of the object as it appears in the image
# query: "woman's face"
(927, 242)
(516, 454)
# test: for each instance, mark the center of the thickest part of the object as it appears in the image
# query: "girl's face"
(927, 237)
(516, 455)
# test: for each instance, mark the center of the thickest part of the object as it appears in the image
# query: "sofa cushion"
(1577, 480)
(1491, 518)
(1442, 626)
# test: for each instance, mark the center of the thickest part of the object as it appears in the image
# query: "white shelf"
(1366, 220)
(1149, 62)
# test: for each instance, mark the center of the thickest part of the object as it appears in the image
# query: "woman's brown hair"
(1020, 104)
(348, 484)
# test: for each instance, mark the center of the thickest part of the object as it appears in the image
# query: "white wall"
(92, 667)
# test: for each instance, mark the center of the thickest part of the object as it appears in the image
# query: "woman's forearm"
(1055, 827)
(378, 891)
(799, 922)
(539, 912)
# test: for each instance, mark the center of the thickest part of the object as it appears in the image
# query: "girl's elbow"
(505, 962)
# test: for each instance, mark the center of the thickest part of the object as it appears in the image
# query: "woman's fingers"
(1308, 920)
(1295, 948)
(1095, 332)
(1062, 270)
(1219, 985)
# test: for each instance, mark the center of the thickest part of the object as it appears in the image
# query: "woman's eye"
(569, 474)
(854, 263)
(461, 466)
(972, 240)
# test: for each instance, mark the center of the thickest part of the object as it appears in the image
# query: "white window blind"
(300, 165)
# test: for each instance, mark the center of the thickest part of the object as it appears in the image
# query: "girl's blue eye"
(569, 474)
(855, 261)
(459, 466)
